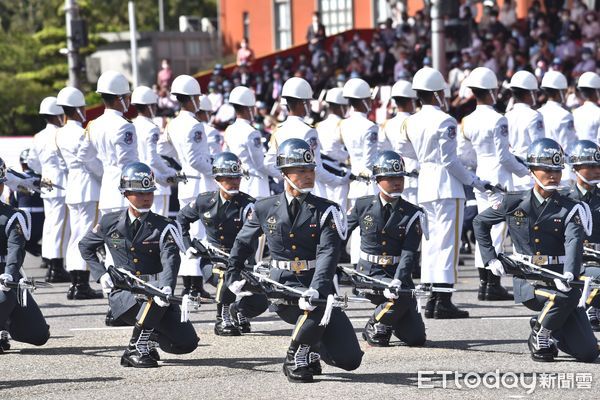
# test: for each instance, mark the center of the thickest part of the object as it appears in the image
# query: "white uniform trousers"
(56, 228)
(440, 253)
(499, 231)
(191, 267)
(160, 205)
(83, 217)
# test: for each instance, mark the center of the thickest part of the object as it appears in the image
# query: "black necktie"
(294, 208)
(387, 211)
(135, 226)
(223, 210)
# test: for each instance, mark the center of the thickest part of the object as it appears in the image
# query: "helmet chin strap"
(251, 111)
(550, 188)
(293, 185)
(414, 105)
(392, 195)
(493, 96)
(125, 108)
(562, 96)
(306, 109)
(533, 100)
(592, 182)
(81, 115)
(196, 106)
(364, 103)
(443, 104)
(140, 210)
(152, 115)
(228, 191)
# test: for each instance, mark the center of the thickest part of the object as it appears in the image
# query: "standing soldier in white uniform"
(112, 139)
(213, 135)
(404, 98)
(298, 94)
(587, 116)
(485, 132)
(246, 142)
(558, 121)
(333, 151)
(432, 134)
(43, 158)
(525, 124)
(188, 139)
(359, 134)
(148, 134)
(83, 190)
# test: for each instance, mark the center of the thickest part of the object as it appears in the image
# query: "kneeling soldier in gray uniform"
(147, 245)
(390, 231)
(547, 229)
(223, 213)
(584, 157)
(304, 234)
(25, 323)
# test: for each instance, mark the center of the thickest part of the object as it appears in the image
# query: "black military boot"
(187, 284)
(83, 290)
(110, 320)
(593, 315)
(223, 325)
(197, 289)
(445, 309)
(45, 263)
(4, 342)
(314, 360)
(495, 291)
(295, 366)
(483, 282)
(153, 346)
(137, 354)
(540, 344)
(239, 320)
(71, 290)
(377, 334)
(532, 323)
(430, 305)
(56, 272)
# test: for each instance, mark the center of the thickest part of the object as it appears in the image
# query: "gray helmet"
(584, 152)
(137, 177)
(547, 154)
(226, 164)
(388, 163)
(295, 153)
(24, 156)
(2, 171)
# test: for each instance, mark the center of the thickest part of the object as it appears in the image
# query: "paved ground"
(81, 359)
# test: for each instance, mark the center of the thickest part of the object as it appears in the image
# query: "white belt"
(296, 266)
(381, 260)
(542, 259)
(32, 209)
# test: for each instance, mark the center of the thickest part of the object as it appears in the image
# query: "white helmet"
(297, 88)
(336, 96)
(403, 88)
(143, 95)
(524, 80)
(356, 88)
(48, 106)
(242, 96)
(186, 85)
(428, 79)
(482, 78)
(113, 82)
(589, 80)
(554, 80)
(205, 104)
(70, 97)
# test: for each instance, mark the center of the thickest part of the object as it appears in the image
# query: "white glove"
(191, 253)
(160, 302)
(236, 288)
(106, 283)
(562, 285)
(480, 184)
(5, 278)
(496, 267)
(304, 301)
(390, 295)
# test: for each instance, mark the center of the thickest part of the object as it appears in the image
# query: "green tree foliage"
(33, 31)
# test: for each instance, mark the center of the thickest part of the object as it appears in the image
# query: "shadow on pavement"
(37, 382)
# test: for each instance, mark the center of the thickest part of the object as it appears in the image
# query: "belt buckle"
(385, 260)
(539, 260)
(298, 266)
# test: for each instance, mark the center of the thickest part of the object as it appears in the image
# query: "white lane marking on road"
(501, 317)
(112, 328)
